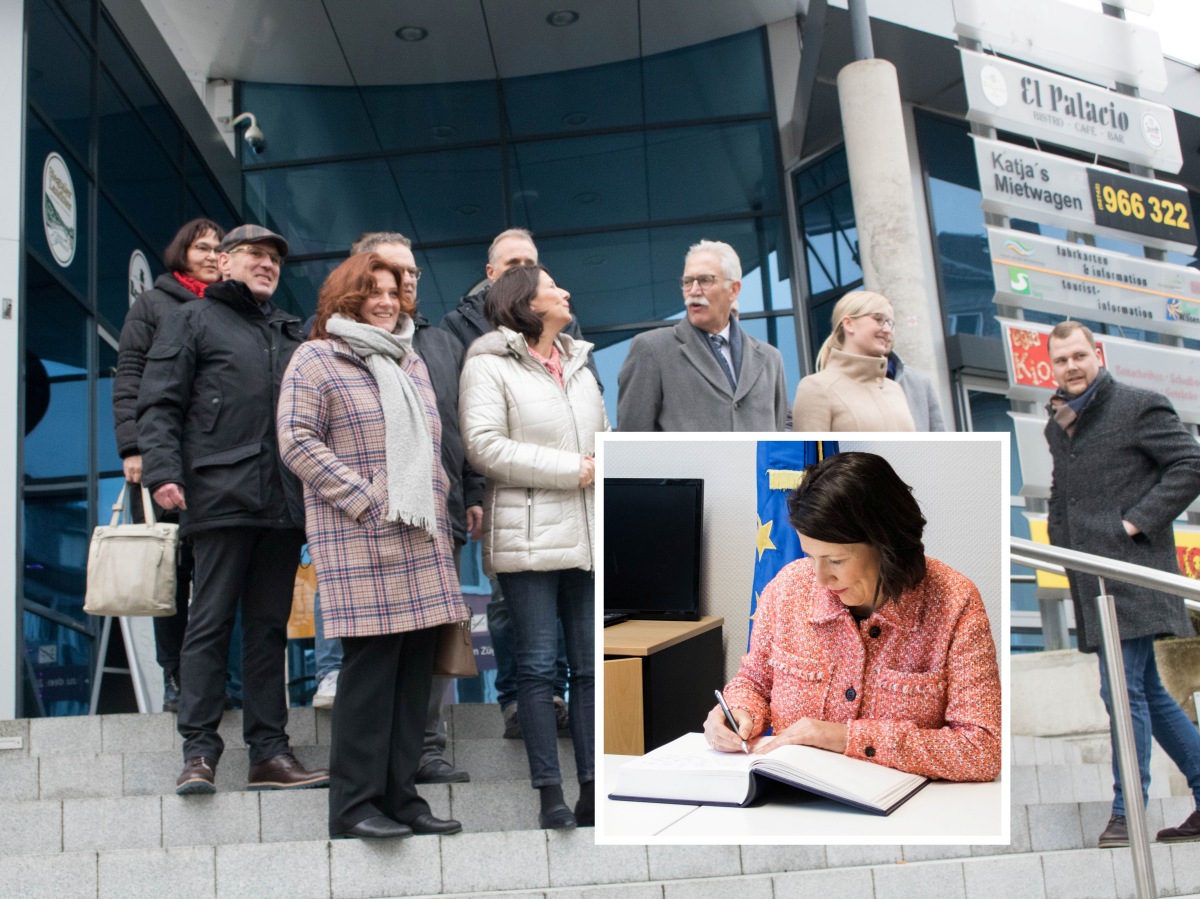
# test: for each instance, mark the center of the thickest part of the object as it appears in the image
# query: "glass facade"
(131, 179)
(616, 169)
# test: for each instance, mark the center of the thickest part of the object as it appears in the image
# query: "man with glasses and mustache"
(705, 373)
(206, 429)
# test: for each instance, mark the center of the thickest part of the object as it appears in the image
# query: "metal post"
(860, 30)
(1127, 761)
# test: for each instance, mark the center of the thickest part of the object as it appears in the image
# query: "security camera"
(254, 137)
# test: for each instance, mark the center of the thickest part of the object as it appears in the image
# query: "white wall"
(12, 130)
(961, 483)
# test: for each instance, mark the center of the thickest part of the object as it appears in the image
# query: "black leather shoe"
(440, 771)
(377, 827)
(557, 817)
(427, 824)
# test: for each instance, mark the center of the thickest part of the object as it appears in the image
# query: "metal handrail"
(1057, 559)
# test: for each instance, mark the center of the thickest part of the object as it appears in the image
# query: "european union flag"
(781, 465)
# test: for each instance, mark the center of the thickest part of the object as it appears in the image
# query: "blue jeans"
(537, 602)
(1154, 713)
(327, 651)
(499, 624)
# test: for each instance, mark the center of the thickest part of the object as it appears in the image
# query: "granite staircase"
(87, 809)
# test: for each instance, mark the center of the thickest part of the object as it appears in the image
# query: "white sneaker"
(326, 691)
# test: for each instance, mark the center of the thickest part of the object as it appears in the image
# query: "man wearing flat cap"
(206, 426)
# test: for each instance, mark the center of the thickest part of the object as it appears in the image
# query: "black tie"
(718, 342)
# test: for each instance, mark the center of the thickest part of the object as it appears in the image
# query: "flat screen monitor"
(653, 531)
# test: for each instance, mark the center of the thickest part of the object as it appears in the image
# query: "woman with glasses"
(530, 411)
(851, 390)
(191, 260)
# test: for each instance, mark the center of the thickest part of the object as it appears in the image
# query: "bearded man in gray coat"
(705, 373)
(1124, 468)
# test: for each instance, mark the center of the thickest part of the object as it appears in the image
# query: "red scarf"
(192, 284)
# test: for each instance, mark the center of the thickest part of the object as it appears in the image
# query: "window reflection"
(59, 661)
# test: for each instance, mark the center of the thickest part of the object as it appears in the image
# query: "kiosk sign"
(1172, 371)
(1043, 105)
(1043, 187)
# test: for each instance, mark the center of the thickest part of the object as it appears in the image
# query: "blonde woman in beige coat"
(851, 390)
(530, 410)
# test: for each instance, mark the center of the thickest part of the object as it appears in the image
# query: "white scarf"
(408, 449)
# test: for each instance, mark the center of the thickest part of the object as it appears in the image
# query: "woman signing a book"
(867, 647)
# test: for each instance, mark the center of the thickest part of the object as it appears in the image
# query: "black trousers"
(259, 566)
(378, 728)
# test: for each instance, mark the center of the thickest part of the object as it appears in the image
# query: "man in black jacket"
(206, 428)
(1124, 468)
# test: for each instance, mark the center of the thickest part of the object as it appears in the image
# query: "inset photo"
(804, 640)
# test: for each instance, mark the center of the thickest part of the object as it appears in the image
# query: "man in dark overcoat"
(1125, 468)
(206, 429)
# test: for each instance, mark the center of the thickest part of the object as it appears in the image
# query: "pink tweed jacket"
(916, 683)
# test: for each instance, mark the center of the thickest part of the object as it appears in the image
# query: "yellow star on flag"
(762, 540)
(755, 615)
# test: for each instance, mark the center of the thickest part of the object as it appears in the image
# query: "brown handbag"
(455, 656)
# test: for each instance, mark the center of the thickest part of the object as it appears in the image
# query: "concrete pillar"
(12, 139)
(882, 188)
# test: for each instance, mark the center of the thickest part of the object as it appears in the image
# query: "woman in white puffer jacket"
(530, 410)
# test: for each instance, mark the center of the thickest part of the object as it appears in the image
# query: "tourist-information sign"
(1059, 36)
(1042, 187)
(1049, 275)
(1040, 104)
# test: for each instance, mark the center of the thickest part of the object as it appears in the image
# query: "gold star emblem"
(755, 615)
(762, 540)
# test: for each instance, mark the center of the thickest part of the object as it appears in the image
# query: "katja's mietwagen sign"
(1042, 187)
(1043, 105)
(1087, 282)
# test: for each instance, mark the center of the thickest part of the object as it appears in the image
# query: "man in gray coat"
(1124, 468)
(705, 373)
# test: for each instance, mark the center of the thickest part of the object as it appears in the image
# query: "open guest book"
(687, 771)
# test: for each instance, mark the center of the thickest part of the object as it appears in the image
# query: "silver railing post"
(1126, 749)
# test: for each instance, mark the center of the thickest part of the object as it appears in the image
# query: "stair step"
(57, 825)
(551, 864)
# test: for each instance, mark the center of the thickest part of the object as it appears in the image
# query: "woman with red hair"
(358, 424)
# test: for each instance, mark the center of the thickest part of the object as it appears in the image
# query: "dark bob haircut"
(859, 498)
(507, 301)
(349, 285)
(175, 255)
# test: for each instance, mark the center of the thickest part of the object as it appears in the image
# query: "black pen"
(729, 717)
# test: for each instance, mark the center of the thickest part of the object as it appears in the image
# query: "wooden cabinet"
(659, 678)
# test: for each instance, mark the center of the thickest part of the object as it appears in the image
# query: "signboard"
(1036, 272)
(1172, 371)
(1043, 187)
(59, 210)
(140, 279)
(1059, 36)
(1187, 550)
(1040, 104)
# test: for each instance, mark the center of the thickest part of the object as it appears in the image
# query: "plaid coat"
(375, 576)
(916, 683)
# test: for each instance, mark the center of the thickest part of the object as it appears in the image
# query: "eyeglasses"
(888, 324)
(205, 249)
(705, 281)
(258, 254)
(412, 271)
